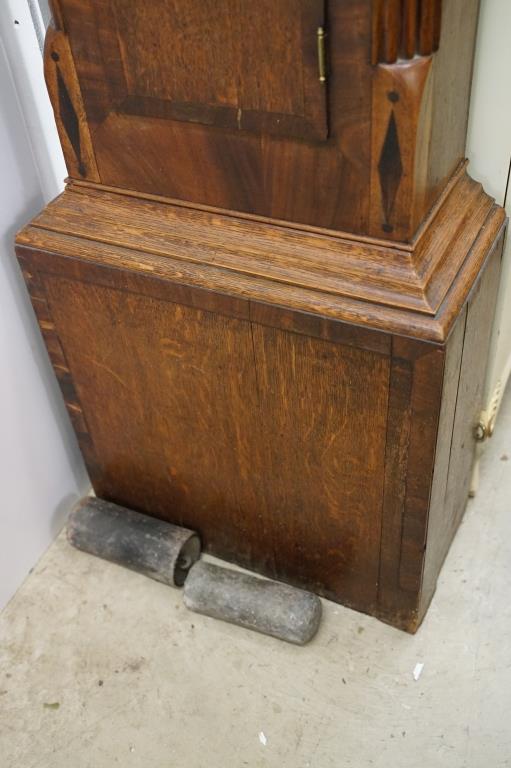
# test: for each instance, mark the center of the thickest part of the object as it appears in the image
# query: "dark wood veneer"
(221, 104)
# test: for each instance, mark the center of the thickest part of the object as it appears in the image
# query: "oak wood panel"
(177, 51)
(327, 460)
(425, 402)
(58, 358)
(207, 421)
(469, 403)
(169, 393)
(396, 469)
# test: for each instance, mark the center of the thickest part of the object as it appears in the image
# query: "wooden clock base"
(304, 399)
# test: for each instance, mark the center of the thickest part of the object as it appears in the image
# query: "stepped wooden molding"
(424, 285)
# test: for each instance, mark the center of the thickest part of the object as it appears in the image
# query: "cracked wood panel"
(262, 440)
(231, 64)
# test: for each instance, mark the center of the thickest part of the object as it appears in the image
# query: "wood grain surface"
(297, 444)
(374, 285)
(268, 299)
(221, 104)
(207, 421)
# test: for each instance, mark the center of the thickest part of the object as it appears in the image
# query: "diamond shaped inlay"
(390, 169)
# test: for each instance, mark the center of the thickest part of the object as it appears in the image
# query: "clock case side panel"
(462, 405)
(435, 403)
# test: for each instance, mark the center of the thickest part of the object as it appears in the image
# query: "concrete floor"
(100, 666)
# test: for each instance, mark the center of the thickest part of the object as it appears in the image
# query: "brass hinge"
(321, 35)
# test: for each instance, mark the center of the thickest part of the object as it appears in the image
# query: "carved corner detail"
(405, 28)
(401, 109)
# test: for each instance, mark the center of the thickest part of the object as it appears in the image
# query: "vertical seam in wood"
(437, 407)
(256, 372)
(456, 403)
(386, 460)
(264, 494)
(432, 476)
(405, 484)
(385, 455)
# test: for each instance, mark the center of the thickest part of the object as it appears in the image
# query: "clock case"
(267, 290)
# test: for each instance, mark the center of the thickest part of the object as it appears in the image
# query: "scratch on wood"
(105, 368)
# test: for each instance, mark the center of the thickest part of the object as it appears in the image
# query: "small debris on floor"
(417, 670)
(263, 739)
(51, 705)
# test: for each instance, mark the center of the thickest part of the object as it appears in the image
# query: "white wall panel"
(41, 470)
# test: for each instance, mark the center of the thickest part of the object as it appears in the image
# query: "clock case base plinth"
(304, 399)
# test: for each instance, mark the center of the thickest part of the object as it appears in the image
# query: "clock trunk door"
(235, 64)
